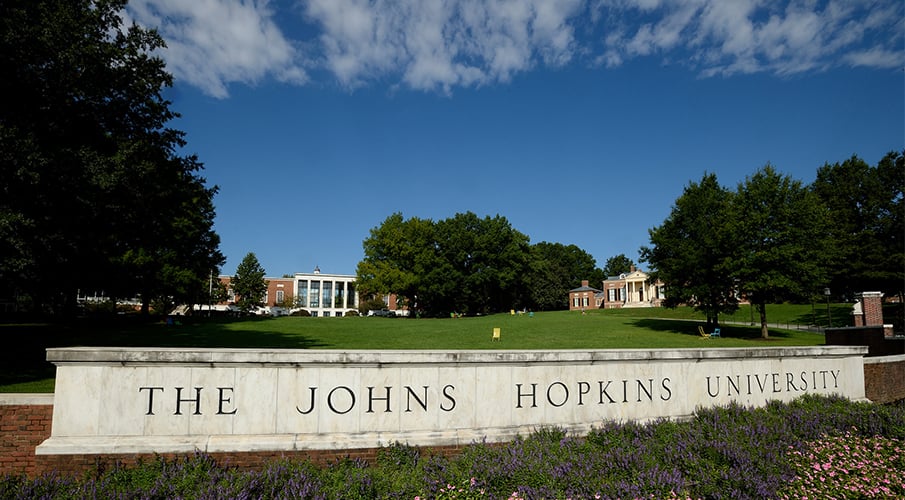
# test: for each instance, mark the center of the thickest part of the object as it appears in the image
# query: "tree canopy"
(93, 195)
(690, 250)
(775, 239)
(779, 246)
(618, 264)
(866, 206)
(248, 283)
(554, 269)
(470, 265)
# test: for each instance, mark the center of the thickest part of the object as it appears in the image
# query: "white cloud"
(875, 58)
(748, 36)
(439, 45)
(212, 43)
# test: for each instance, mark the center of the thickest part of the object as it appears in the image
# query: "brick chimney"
(584, 282)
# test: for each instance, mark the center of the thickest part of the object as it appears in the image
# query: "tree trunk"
(764, 331)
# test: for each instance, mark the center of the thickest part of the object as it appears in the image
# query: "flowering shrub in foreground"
(848, 466)
(783, 450)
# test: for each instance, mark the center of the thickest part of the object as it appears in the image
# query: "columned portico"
(326, 294)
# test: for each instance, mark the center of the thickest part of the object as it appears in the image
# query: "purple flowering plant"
(814, 447)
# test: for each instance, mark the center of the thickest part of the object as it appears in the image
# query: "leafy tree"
(486, 260)
(553, 270)
(290, 301)
(92, 194)
(399, 254)
(866, 207)
(248, 283)
(690, 251)
(779, 240)
(463, 264)
(617, 265)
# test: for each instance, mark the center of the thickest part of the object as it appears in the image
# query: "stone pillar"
(858, 314)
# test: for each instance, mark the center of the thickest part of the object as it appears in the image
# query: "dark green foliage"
(690, 252)
(780, 248)
(464, 264)
(867, 208)
(618, 264)
(775, 240)
(722, 452)
(553, 270)
(93, 196)
(865, 204)
(469, 265)
(248, 283)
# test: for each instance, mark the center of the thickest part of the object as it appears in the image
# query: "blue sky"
(578, 121)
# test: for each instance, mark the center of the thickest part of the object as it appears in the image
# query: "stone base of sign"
(128, 400)
(25, 423)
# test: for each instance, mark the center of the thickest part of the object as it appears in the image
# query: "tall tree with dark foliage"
(93, 193)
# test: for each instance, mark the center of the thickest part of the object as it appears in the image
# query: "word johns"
(342, 400)
(339, 400)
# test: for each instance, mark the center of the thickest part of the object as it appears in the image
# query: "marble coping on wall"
(134, 400)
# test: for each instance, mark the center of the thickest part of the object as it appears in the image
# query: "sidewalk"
(784, 326)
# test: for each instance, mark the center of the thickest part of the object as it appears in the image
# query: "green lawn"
(24, 368)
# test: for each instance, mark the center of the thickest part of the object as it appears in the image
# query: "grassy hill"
(24, 368)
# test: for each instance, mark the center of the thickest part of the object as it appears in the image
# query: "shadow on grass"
(690, 328)
(24, 358)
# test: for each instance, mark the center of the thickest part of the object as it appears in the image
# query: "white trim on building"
(326, 295)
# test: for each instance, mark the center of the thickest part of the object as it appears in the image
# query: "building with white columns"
(325, 295)
(322, 295)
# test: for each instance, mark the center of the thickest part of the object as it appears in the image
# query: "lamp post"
(210, 295)
(829, 317)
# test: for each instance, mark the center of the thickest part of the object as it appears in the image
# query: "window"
(328, 291)
(303, 293)
(326, 314)
(279, 296)
(586, 302)
(315, 294)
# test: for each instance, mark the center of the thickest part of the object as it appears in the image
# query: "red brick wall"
(279, 284)
(24, 426)
(872, 307)
(884, 378)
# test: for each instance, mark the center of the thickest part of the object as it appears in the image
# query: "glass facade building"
(326, 295)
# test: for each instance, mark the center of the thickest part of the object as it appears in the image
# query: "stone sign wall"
(130, 400)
